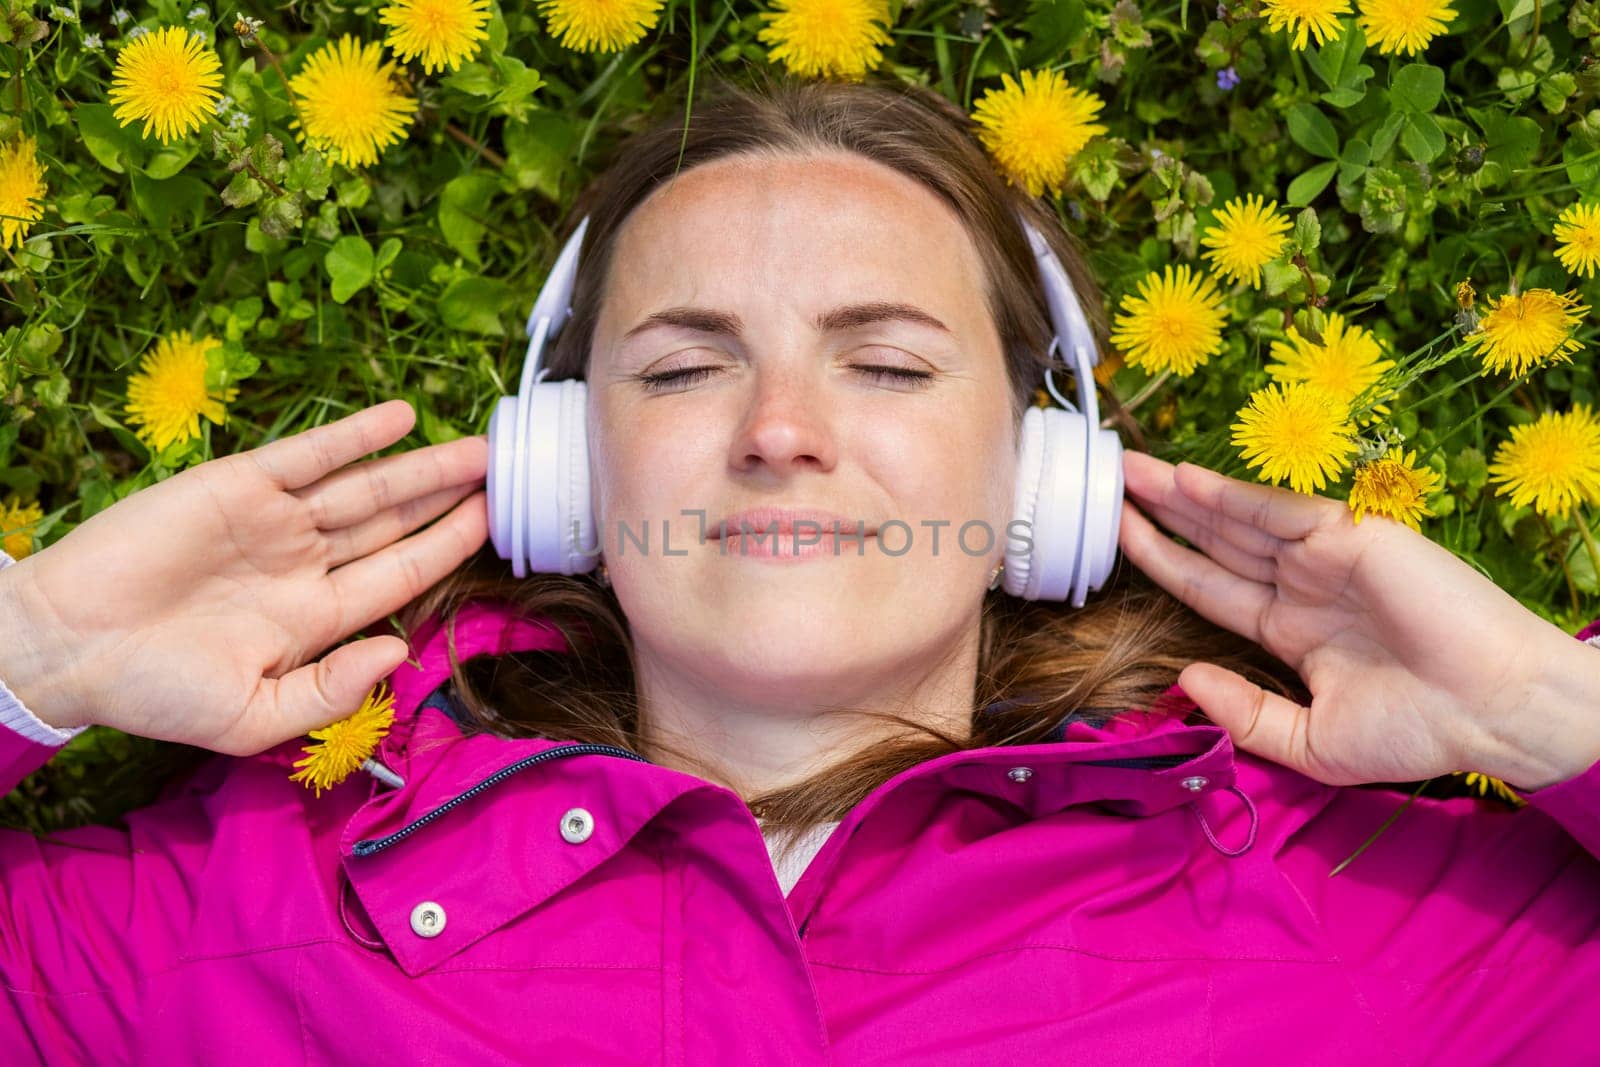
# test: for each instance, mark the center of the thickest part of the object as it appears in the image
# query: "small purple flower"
(1227, 78)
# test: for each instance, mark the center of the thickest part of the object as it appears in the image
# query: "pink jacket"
(1123, 895)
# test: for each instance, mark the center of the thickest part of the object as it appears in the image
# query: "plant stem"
(268, 182)
(1299, 71)
(1147, 391)
(1588, 539)
(465, 138)
(1414, 794)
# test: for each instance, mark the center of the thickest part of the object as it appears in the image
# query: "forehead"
(820, 230)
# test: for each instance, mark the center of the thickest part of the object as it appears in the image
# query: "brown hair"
(1047, 660)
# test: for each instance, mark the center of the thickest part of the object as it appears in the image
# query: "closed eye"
(684, 376)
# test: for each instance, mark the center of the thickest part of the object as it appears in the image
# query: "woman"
(994, 867)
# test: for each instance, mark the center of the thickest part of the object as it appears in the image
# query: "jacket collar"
(403, 846)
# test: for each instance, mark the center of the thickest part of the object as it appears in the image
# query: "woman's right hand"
(194, 609)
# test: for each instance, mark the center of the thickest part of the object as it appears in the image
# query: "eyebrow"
(844, 317)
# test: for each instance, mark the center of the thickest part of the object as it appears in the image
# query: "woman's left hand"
(1417, 664)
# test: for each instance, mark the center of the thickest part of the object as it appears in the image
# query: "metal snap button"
(427, 919)
(576, 826)
(1195, 783)
(1020, 774)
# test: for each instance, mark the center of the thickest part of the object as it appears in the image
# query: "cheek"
(647, 473)
(954, 476)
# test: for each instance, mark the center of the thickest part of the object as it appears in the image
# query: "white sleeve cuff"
(16, 716)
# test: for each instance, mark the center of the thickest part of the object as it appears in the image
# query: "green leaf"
(170, 159)
(113, 145)
(516, 83)
(1554, 90)
(1277, 276)
(1307, 230)
(349, 264)
(1383, 140)
(243, 190)
(474, 79)
(1338, 64)
(165, 203)
(1422, 138)
(463, 209)
(540, 152)
(308, 173)
(1305, 188)
(1417, 87)
(474, 304)
(280, 215)
(1583, 167)
(1467, 469)
(386, 253)
(1312, 131)
(1512, 142)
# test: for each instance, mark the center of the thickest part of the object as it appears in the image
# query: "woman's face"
(760, 279)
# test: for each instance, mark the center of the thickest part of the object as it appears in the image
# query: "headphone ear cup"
(541, 516)
(1048, 505)
(1103, 522)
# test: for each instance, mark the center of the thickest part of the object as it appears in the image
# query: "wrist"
(36, 676)
(1553, 733)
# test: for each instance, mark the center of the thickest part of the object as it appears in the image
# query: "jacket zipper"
(1141, 762)
(371, 845)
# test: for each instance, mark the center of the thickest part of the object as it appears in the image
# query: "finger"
(1281, 512)
(302, 458)
(1245, 564)
(310, 697)
(357, 493)
(386, 527)
(1258, 721)
(380, 584)
(1157, 492)
(1212, 590)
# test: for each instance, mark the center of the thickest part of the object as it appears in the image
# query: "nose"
(786, 426)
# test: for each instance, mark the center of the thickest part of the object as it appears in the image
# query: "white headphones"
(1068, 495)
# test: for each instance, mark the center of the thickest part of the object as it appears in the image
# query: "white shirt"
(800, 856)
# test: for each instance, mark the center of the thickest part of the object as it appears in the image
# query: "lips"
(784, 521)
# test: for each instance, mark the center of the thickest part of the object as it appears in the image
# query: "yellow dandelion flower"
(17, 521)
(1318, 17)
(599, 25)
(443, 32)
(1249, 234)
(1484, 784)
(1552, 463)
(345, 745)
(169, 393)
(1404, 26)
(843, 38)
(1466, 295)
(1522, 331)
(1578, 230)
(1174, 324)
(1347, 362)
(1394, 487)
(168, 79)
(1033, 130)
(21, 183)
(348, 103)
(1295, 431)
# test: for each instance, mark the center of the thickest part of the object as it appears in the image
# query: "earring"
(994, 579)
(601, 576)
